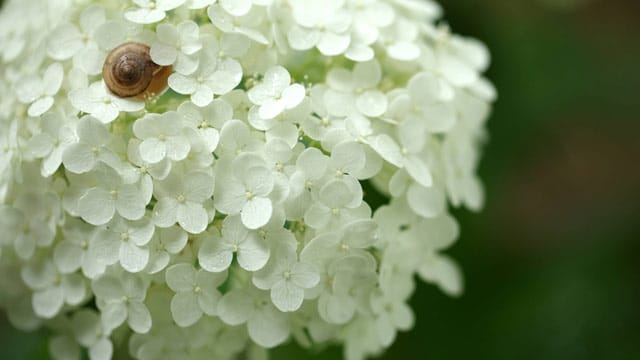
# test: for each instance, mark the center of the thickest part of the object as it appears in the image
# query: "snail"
(128, 71)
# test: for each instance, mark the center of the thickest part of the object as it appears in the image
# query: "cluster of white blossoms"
(228, 214)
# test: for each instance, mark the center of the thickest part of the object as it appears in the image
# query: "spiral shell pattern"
(128, 71)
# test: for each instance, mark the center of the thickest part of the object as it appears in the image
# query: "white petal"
(139, 317)
(185, 308)
(202, 96)
(226, 77)
(74, 289)
(418, 170)
(348, 157)
(236, 7)
(304, 275)
(113, 315)
(178, 148)
(64, 42)
(64, 347)
(256, 212)
(181, 277)
(331, 44)
(317, 216)
(440, 117)
(105, 247)
(47, 303)
(293, 95)
(165, 212)
(269, 328)
(101, 350)
(163, 54)
(78, 158)
(367, 74)
(286, 296)
(388, 149)
(128, 104)
(40, 106)
(153, 150)
(40, 145)
(214, 256)
(106, 113)
(336, 194)
(144, 16)
(301, 38)
(372, 103)
(253, 254)
(335, 310)
(235, 307)
(443, 271)
(199, 186)
(338, 103)
(271, 108)
(107, 288)
(386, 331)
(427, 202)
(277, 79)
(96, 207)
(133, 258)
(258, 179)
(182, 84)
(67, 257)
(402, 316)
(52, 78)
(459, 73)
(208, 301)
(192, 217)
(230, 197)
(404, 51)
(130, 204)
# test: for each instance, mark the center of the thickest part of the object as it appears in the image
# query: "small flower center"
(308, 184)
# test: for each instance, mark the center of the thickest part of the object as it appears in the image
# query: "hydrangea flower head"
(234, 210)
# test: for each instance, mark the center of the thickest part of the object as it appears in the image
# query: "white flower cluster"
(229, 214)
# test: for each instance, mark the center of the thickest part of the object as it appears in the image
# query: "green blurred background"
(552, 263)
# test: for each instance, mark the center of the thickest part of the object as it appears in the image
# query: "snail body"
(128, 71)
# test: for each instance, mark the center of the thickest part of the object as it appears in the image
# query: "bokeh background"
(552, 263)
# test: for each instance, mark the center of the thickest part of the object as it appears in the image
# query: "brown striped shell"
(128, 71)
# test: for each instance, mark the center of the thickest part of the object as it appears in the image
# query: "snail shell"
(128, 71)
